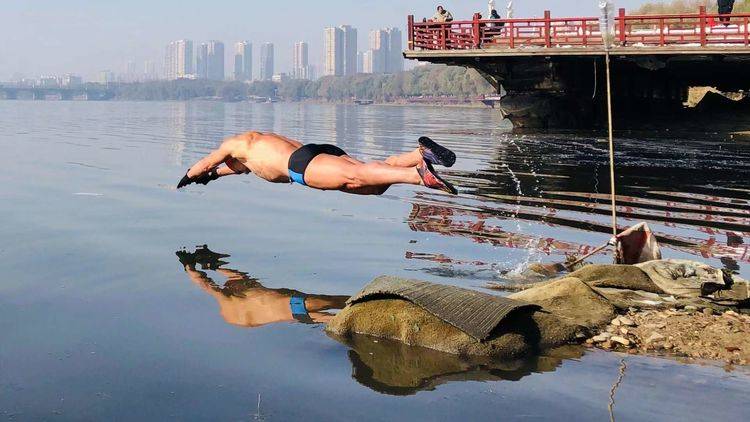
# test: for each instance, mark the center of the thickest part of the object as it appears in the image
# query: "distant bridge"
(10, 91)
(552, 68)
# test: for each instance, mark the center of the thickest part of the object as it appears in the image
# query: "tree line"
(688, 6)
(431, 81)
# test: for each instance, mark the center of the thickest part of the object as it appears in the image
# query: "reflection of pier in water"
(473, 224)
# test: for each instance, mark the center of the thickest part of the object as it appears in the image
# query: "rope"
(596, 82)
(611, 149)
(615, 386)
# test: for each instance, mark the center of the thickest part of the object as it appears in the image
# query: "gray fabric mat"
(472, 312)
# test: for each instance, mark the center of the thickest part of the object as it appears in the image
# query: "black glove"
(207, 178)
(184, 182)
(203, 179)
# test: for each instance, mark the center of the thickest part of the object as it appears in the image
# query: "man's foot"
(435, 153)
(432, 180)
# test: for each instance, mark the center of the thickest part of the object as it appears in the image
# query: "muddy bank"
(690, 332)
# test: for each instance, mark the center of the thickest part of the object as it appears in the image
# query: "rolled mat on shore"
(385, 309)
(472, 312)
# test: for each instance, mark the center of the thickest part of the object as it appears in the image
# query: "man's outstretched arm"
(205, 170)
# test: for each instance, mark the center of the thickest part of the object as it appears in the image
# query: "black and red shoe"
(432, 180)
(435, 153)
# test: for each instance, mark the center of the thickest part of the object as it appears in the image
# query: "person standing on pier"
(725, 8)
(442, 15)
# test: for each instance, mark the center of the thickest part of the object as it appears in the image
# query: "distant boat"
(491, 100)
(364, 102)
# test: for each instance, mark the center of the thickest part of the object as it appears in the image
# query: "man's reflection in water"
(243, 301)
(385, 366)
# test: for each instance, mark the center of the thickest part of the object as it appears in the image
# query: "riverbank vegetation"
(424, 81)
(688, 6)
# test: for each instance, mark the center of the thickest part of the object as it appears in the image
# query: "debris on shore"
(690, 332)
(668, 307)
(664, 307)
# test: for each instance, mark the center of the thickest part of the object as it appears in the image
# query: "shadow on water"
(385, 366)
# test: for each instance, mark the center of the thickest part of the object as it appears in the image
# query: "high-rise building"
(201, 61)
(131, 74)
(215, 61)
(367, 65)
(360, 62)
(149, 71)
(349, 49)
(395, 62)
(340, 51)
(178, 60)
(301, 65)
(378, 51)
(105, 77)
(243, 61)
(333, 52)
(70, 80)
(385, 47)
(266, 61)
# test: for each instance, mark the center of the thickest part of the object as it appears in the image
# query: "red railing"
(701, 29)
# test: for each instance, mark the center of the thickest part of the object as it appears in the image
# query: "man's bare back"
(264, 154)
(279, 159)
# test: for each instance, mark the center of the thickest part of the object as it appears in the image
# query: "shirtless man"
(279, 159)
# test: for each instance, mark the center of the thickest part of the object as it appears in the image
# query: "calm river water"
(100, 321)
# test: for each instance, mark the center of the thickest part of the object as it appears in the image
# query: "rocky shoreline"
(690, 332)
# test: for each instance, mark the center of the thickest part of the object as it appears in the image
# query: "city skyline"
(49, 38)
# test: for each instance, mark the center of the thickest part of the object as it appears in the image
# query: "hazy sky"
(86, 36)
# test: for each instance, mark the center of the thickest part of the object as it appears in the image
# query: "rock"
(626, 321)
(655, 337)
(622, 340)
(682, 278)
(690, 308)
(572, 300)
(708, 311)
(624, 331)
(668, 345)
(616, 322)
(601, 337)
(520, 334)
(616, 276)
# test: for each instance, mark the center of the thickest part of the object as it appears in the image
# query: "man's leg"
(410, 159)
(329, 172)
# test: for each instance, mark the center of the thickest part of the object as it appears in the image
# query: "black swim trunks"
(300, 159)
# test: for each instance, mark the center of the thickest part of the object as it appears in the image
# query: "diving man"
(278, 159)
